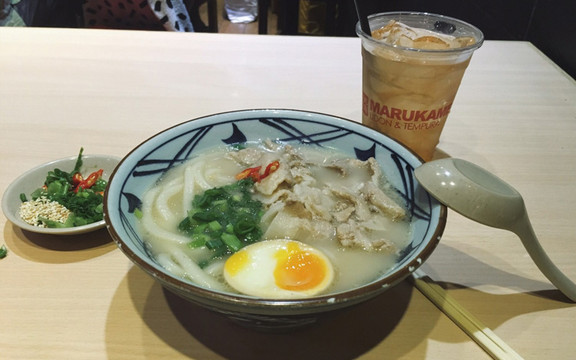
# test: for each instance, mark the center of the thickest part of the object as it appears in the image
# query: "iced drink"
(413, 64)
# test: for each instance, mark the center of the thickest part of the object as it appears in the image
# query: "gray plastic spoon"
(481, 196)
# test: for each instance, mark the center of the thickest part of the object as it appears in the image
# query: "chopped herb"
(83, 197)
(224, 219)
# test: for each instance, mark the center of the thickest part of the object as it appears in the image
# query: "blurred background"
(548, 24)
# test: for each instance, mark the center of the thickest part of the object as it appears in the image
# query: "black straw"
(363, 18)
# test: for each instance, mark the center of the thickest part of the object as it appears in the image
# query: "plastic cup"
(407, 92)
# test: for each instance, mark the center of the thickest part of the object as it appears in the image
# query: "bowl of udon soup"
(273, 217)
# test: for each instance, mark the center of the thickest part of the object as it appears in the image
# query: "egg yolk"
(298, 270)
(237, 262)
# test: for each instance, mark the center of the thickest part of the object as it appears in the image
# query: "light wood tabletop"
(79, 297)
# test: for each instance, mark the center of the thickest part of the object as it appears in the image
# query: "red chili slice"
(90, 180)
(254, 172)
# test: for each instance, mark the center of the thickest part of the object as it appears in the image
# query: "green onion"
(224, 219)
(197, 242)
(232, 241)
(214, 226)
(214, 244)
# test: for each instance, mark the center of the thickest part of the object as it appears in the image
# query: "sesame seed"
(42, 207)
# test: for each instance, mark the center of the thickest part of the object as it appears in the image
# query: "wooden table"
(79, 297)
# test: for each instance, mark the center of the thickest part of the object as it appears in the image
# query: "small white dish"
(34, 178)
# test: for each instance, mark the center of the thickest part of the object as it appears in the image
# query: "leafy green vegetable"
(224, 219)
(86, 204)
(56, 224)
(79, 162)
(100, 185)
(3, 251)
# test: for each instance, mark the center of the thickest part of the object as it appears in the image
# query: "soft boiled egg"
(279, 269)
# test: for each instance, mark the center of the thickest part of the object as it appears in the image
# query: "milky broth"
(353, 266)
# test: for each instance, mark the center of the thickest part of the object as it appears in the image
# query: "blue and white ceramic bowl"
(142, 167)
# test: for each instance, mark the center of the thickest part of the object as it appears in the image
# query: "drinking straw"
(363, 18)
(482, 335)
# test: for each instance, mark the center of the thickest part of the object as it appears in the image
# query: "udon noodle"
(342, 206)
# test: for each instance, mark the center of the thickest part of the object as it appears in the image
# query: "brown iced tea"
(411, 74)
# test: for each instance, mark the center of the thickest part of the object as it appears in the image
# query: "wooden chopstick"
(477, 331)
